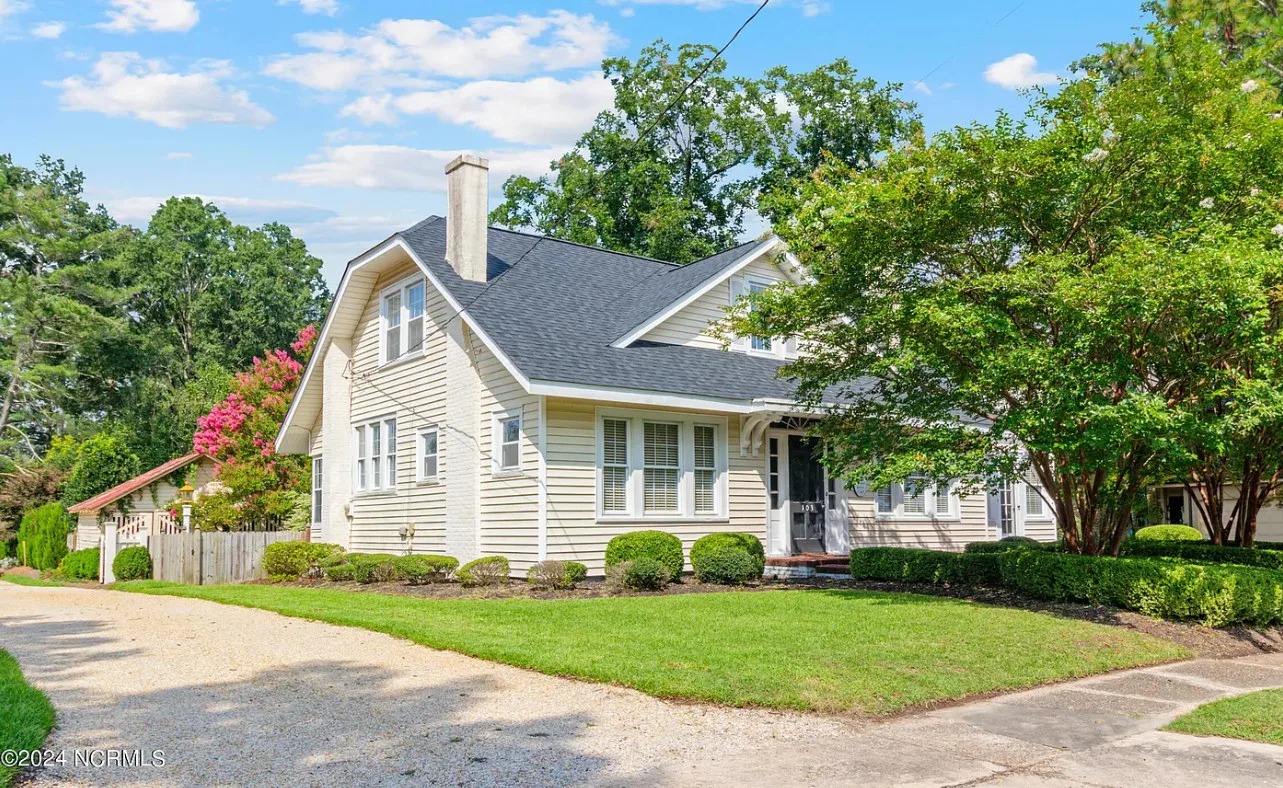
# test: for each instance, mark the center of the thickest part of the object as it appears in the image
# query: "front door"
(806, 495)
(1006, 515)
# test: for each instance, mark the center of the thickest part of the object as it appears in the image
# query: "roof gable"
(133, 485)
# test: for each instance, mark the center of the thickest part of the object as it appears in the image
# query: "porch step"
(816, 563)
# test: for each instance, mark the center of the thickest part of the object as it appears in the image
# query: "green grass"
(25, 713)
(864, 652)
(1257, 716)
(23, 580)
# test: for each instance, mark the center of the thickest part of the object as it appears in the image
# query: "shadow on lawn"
(325, 721)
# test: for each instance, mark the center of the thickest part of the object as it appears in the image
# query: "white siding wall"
(867, 530)
(575, 533)
(414, 392)
(691, 325)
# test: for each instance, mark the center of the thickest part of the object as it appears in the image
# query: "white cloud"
(413, 169)
(10, 7)
(327, 7)
(246, 210)
(1018, 71)
(923, 88)
(177, 155)
(406, 52)
(540, 111)
(158, 16)
(123, 84)
(809, 8)
(48, 30)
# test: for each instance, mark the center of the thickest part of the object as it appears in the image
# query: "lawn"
(1257, 716)
(855, 651)
(25, 714)
(23, 580)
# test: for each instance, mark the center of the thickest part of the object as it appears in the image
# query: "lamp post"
(185, 498)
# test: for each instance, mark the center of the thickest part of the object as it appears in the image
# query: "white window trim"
(928, 514)
(363, 428)
(496, 442)
(419, 476)
(1045, 516)
(403, 286)
(318, 486)
(686, 463)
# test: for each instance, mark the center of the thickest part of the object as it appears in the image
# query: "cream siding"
(931, 533)
(693, 324)
(413, 391)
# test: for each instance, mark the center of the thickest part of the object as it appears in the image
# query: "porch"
(807, 565)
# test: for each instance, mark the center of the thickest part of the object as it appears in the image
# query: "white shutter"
(737, 291)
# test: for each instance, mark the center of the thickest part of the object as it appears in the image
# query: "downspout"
(542, 480)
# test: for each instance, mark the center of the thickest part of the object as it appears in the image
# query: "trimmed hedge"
(556, 575)
(1009, 543)
(662, 547)
(1170, 533)
(707, 546)
(911, 565)
(339, 572)
(727, 565)
(292, 560)
(81, 564)
(132, 563)
(491, 570)
(646, 574)
(1204, 552)
(424, 569)
(374, 568)
(1216, 595)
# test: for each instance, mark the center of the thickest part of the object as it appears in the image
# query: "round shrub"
(707, 546)
(339, 572)
(727, 565)
(81, 564)
(1020, 540)
(132, 563)
(1170, 533)
(646, 574)
(374, 568)
(423, 569)
(292, 560)
(42, 536)
(557, 575)
(491, 570)
(656, 545)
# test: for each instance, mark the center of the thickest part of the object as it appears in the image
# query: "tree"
(240, 432)
(42, 536)
(102, 462)
(683, 190)
(999, 302)
(60, 305)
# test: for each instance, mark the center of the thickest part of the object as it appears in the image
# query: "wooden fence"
(207, 558)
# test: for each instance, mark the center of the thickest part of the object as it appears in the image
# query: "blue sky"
(336, 116)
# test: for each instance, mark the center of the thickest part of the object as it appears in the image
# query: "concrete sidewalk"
(1100, 731)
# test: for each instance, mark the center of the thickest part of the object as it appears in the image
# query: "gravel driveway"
(234, 696)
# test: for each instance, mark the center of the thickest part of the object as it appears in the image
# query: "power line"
(949, 59)
(654, 125)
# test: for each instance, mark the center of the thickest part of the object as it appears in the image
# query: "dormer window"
(760, 344)
(402, 314)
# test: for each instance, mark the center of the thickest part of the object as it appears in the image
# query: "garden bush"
(557, 575)
(42, 536)
(374, 568)
(657, 545)
(646, 574)
(339, 572)
(1009, 543)
(1216, 595)
(81, 564)
(729, 565)
(292, 560)
(911, 565)
(491, 570)
(1204, 552)
(1170, 533)
(132, 563)
(424, 569)
(712, 543)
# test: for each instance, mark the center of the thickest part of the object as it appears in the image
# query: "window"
(773, 473)
(705, 469)
(403, 319)
(917, 498)
(614, 466)
(376, 455)
(508, 442)
(317, 494)
(1034, 504)
(759, 343)
(662, 465)
(429, 455)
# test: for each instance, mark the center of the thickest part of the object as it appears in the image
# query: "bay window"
(660, 465)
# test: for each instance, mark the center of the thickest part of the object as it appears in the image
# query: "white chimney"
(467, 189)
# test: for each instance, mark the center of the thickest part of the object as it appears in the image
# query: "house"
(1177, 506)
(139, 507)
(477, 391)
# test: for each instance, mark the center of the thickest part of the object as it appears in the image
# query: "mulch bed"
(1204, 641)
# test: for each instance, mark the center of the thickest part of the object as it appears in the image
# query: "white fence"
(130, 530)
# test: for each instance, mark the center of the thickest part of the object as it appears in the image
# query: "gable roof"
(133, 485)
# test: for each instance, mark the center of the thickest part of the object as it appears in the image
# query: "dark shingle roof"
(554, 308)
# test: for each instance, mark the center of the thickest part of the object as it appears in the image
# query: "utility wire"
(948, 59)
(640, 138)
